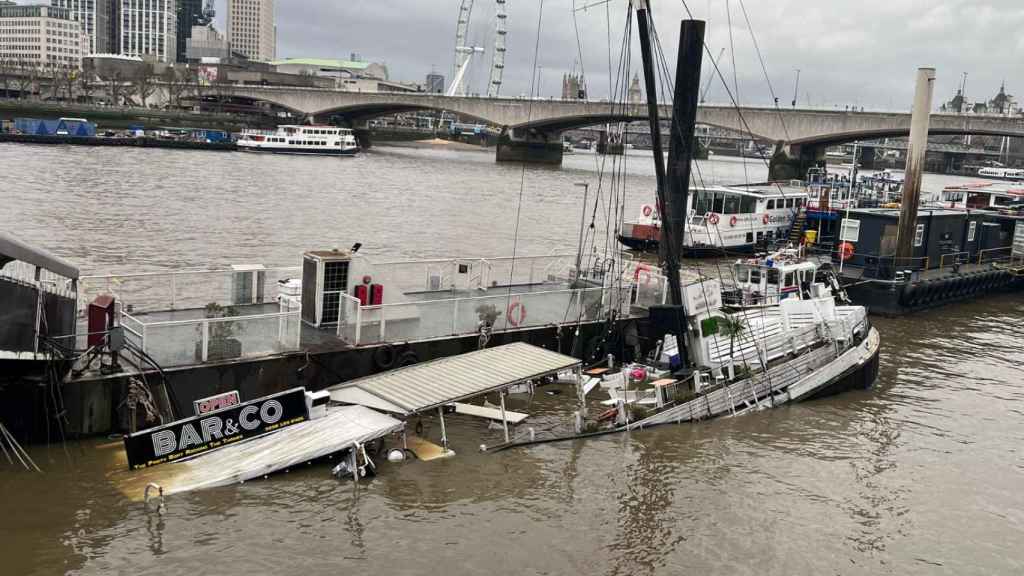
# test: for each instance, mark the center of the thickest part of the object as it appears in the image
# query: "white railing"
(428, 319)
(177, 290)
(188, 342)
(50, 282)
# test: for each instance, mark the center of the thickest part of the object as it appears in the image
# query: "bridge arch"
(853, 136)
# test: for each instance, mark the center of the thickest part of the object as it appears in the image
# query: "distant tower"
(635, 94)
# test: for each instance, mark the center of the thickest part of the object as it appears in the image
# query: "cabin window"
(789, 203)
(750, 237)
(748, 204)
(755, 276)
(919, 235)
(773, 277)
(790, 280)
(732, 204)
(771, 205)
(703, 203)
(719, 203)
(971, 231)
(760, 236)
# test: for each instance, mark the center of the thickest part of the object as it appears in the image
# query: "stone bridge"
(532, 127)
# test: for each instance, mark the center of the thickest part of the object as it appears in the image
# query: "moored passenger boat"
(723, 219)
(314, 140)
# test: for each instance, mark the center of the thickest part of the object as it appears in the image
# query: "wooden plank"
(489, 413)
(596, 371)
(426, 450)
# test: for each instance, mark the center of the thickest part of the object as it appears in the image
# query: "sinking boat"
(238, 442)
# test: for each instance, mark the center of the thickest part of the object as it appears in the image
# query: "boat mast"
(643, 13)
(919, 119)
(673, 187)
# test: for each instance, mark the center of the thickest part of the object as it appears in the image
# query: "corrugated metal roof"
(13, 248)
(431, 384)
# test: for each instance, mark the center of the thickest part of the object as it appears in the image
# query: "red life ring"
(713, 219)
(732, 221)
(514, 318)
(766, 219)
(846, 251)
(646, 271)
(648, 210)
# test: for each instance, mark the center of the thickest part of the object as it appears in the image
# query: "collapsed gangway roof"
(13, 248)
(428, 385)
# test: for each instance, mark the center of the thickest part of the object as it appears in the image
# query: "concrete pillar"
(792, 162)
(532, 147)
(867, 158)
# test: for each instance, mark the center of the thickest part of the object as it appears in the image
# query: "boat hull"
(646, 245)
(892, 299)
(299, 151)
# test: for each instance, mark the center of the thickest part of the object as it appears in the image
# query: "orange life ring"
(846, 251)
(713, 219)
(732, 221)
(766, 219)
(648, 210)
(514, 318)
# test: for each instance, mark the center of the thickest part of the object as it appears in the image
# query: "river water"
(922, 474)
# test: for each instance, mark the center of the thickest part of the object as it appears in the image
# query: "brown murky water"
(921, 475)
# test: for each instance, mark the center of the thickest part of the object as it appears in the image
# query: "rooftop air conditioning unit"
(247, 282)
(324, 280)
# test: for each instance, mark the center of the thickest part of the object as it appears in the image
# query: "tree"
(176, 82)
(733, 327)
(142, 83)
(115, 87)
(6, 75)
(24, 78)
(85, 80)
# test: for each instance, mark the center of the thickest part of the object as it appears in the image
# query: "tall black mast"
(674, 187)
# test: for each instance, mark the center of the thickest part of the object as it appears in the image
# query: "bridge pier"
(529, 146)
(791, 162)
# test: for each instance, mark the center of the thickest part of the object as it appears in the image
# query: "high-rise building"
(41, 36)
(149, 28)
(98, 16)
(206, 42)
(251, 30)
(191, 13)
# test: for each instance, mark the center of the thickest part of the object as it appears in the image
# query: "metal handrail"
(223, 319)
(983, 253)
(956, 256)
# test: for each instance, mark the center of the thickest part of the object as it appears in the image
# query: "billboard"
(206, 75)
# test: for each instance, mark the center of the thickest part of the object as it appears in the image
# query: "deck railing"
(182, 289)
(429, 319)
(187, 342)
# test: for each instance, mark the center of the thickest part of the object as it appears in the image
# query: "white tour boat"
(729, 219)
(983, 196)
(1002, 174)
(317, 140)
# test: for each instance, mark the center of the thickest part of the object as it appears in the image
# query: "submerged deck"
(339, 430)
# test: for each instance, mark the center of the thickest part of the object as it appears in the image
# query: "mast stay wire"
(522, 179)
(664, 71)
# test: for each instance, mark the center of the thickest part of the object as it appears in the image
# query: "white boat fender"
(396, 455)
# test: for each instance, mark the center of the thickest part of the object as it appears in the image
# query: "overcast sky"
(863, 53)
(860, 52)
